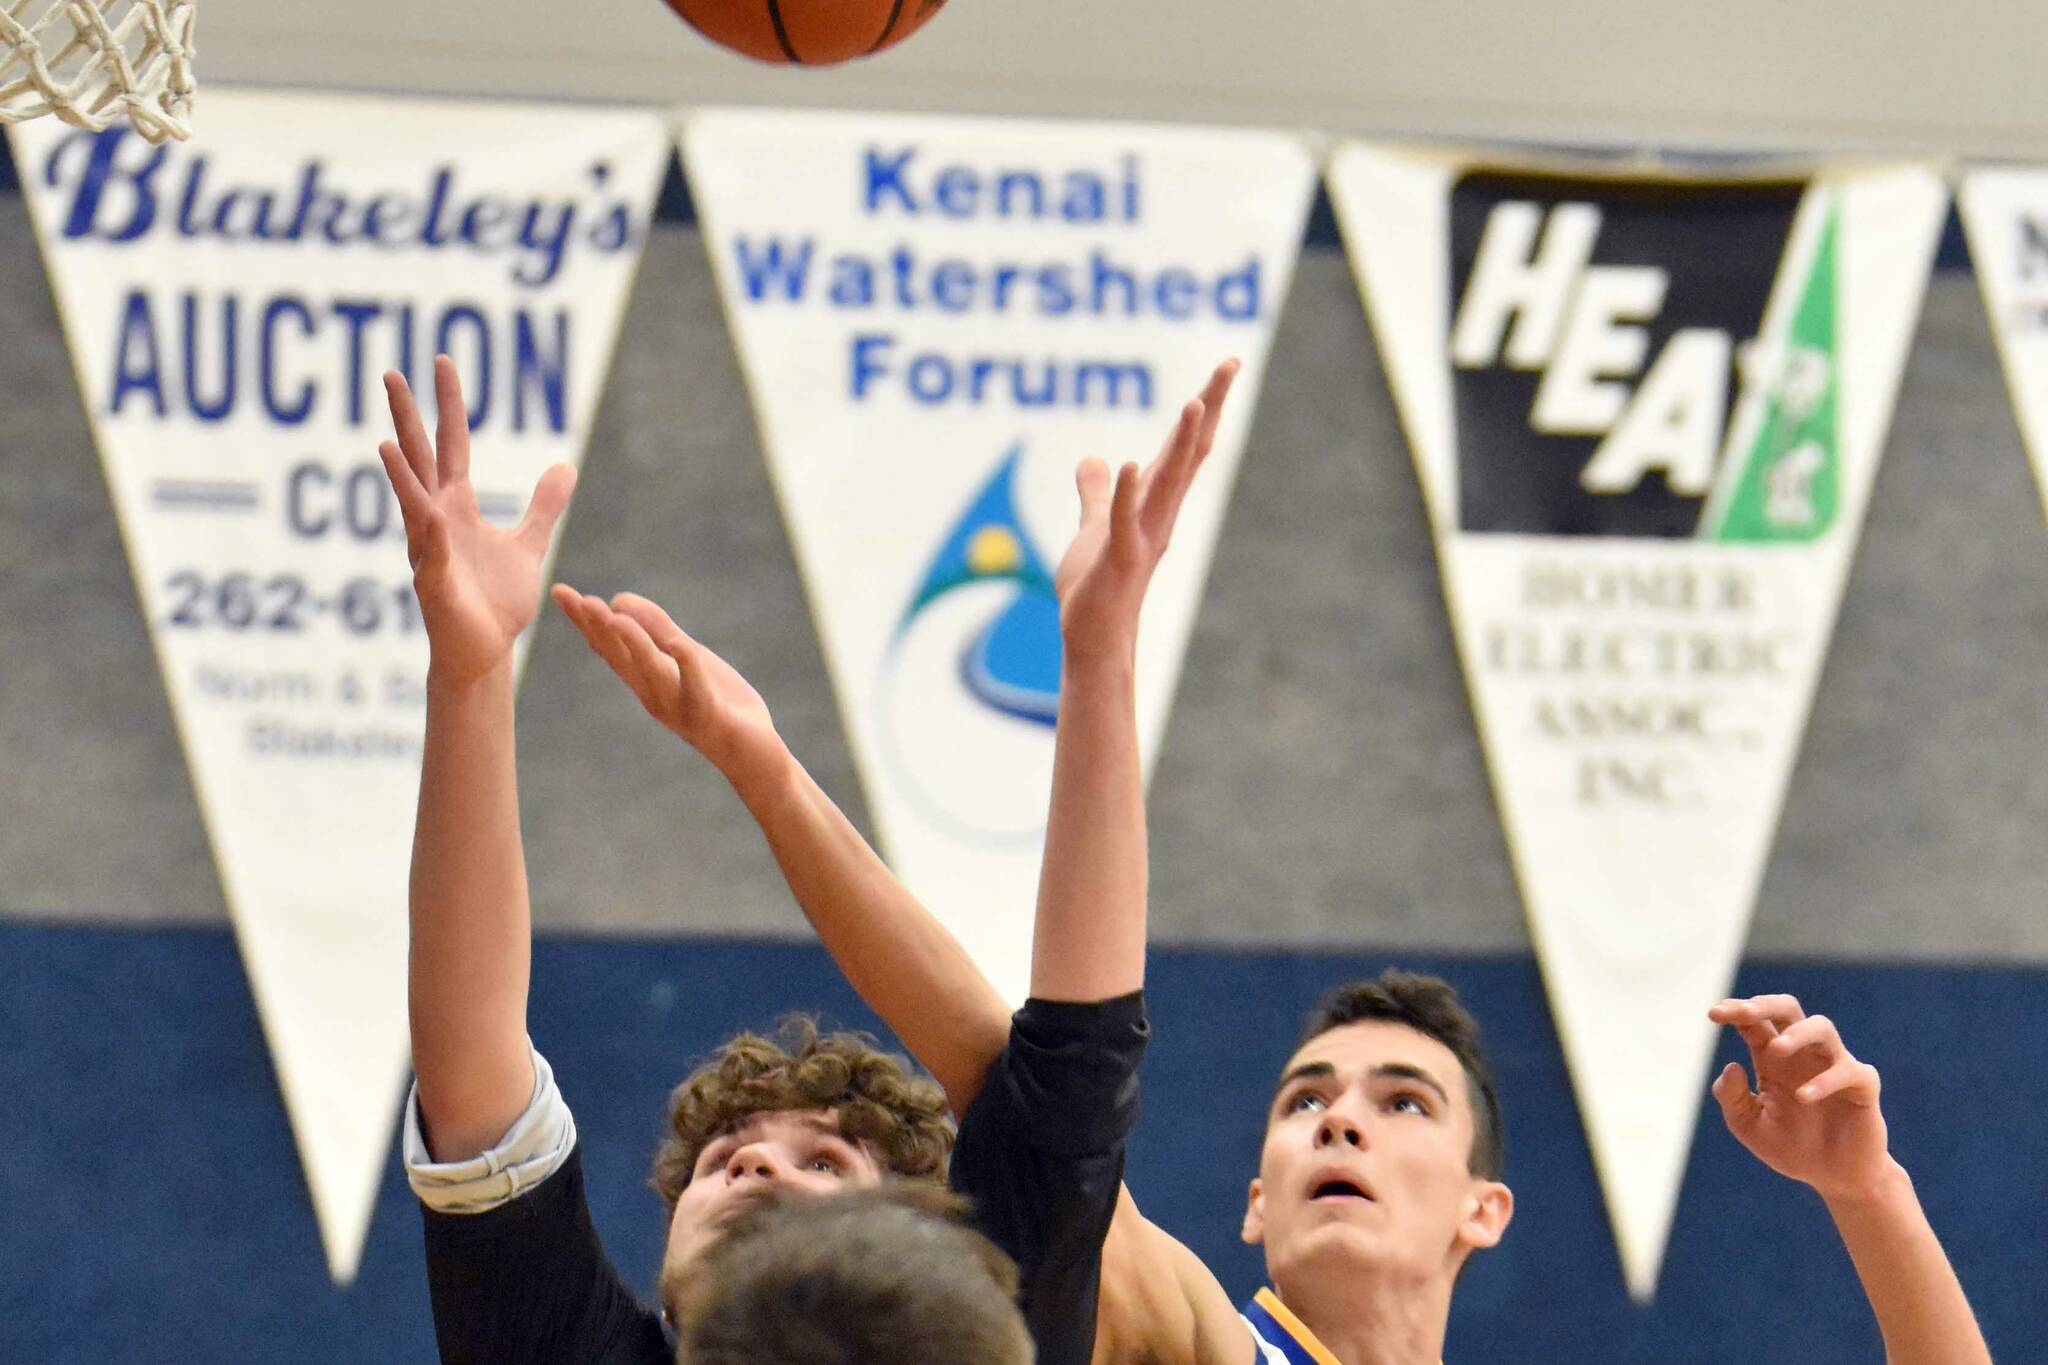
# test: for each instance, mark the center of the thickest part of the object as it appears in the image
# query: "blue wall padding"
(151, 1206)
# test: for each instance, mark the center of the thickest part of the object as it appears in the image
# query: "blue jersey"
(1282, 1338)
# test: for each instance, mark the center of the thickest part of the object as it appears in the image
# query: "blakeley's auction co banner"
(230, 305)
(938, 320)
(1646, 414)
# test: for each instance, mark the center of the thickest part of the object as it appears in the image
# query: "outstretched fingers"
(656, 675)
(1739, 1104)
(660, 627)
(1167, 483)
(591, 618)
(1213, 394)
(1816, 1041)
(641, 644)
(677, 652)
(412, 433)
(575, 606)
(569, 600)
(1176, 460)
(451, 437)
(1816, 1031)
(1091, 481)
(1759, 1019)
(1848, 1079)
(1780, 1011)
(426, 530)
(1123, 511)
(550, 498)
(414, 502)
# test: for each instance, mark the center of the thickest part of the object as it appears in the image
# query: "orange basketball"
(806, 32)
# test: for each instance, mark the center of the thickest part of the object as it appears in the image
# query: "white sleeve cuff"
(533, 1148)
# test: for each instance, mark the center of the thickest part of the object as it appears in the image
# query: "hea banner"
(2005, 213)
(230, 304)
(939, 319)
(1646, 414)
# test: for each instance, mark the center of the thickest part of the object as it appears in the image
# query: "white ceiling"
(1941, 76)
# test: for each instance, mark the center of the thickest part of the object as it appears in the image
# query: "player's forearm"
(905, 964)
(471, 939)
(1912, 1288)
(1089, 940)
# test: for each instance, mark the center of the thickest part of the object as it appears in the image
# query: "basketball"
(806, 32)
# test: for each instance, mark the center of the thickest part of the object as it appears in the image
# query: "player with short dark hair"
(888, 1276)
(1379, 1176)
(1385, 1122)
(1428, 1005)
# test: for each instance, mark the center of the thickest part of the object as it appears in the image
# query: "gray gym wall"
(1960, 77)
(1321, 783)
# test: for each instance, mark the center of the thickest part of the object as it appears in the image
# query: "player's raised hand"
(478, 585)
(1125, 528)
(685, 686)
(1814, 1114)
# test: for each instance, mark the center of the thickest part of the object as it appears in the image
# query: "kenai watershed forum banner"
(938, 319)
(230, 304)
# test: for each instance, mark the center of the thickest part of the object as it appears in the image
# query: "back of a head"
(888, 1276)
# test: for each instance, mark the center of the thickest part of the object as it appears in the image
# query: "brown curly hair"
(881, 1102)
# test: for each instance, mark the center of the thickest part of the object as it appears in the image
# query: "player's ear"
(1488, 1208)
(1255, 1214)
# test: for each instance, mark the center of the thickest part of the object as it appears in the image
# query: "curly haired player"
(1046, 1098)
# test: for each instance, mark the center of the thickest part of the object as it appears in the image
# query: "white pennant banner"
(1646, 414)
(230, 304)
(2005, 213)
(939, 318)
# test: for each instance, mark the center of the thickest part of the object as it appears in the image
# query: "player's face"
(791, 1152)
(1364, 1165)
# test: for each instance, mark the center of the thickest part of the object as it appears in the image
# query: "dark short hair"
(882, 1276)
(1428, 1005)
(880, 1101)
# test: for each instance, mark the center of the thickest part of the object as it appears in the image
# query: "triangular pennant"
(230, 304)
(2005, 213)
(1646, 414)
(938, 319)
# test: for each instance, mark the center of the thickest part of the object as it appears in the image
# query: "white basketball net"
(94, 62)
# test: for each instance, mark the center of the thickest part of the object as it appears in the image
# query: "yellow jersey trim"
(1295, 1327)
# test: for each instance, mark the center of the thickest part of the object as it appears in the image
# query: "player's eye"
(828, 1163)
(1306, 1100)
(1408, 1102)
